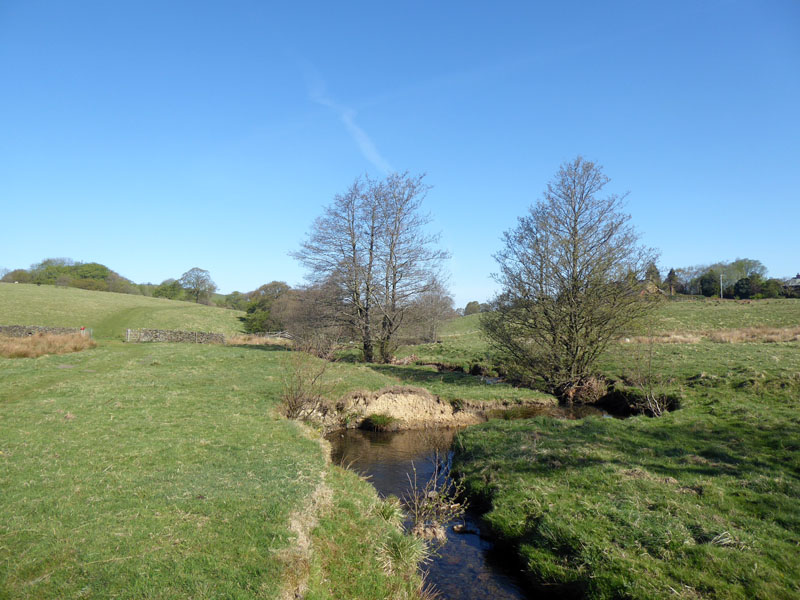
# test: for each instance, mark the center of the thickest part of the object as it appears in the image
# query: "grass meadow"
(106, 313)
(700, 503)
(167, 470)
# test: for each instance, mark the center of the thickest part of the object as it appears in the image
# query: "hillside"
(462, 342)
(108, 314)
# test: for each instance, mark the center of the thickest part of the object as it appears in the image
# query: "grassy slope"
(462, 338)
(164, 470)
(108, 314)
(160, 460)
(699, 503)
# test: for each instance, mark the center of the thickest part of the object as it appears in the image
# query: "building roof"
(794, 282)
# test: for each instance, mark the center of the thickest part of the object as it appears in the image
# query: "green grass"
(108, 314)
(354, 544)
(712, 314)
(154, 471)
(455, 386)
(701, 503)
(461, 344)
(164, 470)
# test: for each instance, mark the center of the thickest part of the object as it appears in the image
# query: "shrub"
(303, 392)
(434, 503)
(379, 422)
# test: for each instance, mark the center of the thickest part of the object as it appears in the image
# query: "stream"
(468, 566)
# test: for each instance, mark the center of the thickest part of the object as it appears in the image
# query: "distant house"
(793, 284)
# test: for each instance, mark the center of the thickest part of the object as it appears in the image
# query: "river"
(468, 566)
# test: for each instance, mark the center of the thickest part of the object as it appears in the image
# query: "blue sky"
(158, 136)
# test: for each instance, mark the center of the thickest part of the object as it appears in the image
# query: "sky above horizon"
(155, 137)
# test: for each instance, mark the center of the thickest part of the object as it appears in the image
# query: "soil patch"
(408, 408)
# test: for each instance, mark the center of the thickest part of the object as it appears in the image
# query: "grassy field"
(164, 470)
(463, 345)
(701, 503)
(108, 314)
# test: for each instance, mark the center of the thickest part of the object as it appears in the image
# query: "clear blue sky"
(158, 136)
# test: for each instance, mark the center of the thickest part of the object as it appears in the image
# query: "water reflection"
(464, 569)
(467, 567)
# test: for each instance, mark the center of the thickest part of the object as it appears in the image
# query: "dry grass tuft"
(42, 344)
(723, 336)
(297, 558)
(665, 338)
(755, 334)
(257, 340)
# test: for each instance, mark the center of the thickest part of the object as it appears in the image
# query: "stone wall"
(161, 335)
(28, 330)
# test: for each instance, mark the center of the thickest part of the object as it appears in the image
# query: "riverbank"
(700, 503)
(401, 408)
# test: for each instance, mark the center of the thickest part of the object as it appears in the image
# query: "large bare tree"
(370, 244)
(409, 260)
(341, 250)
(571, 275)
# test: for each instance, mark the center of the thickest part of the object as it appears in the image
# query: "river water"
(468, 566)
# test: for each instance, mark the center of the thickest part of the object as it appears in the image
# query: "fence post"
(128, 335)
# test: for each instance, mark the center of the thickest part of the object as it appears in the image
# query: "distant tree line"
(194, 285)
(743, 278)
(66, 272)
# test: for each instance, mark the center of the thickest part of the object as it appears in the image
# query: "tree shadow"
(427, 375)
(262, 347)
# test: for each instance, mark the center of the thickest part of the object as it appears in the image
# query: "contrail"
(318, 94)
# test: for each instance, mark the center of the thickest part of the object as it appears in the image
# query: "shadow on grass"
(427, 375)
(262, 347)
(668, 449)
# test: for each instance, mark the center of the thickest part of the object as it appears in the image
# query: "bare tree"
(341, 251)
(312, 315)
(410, 263)
(370, 245)
(570, 273)
(425, 316)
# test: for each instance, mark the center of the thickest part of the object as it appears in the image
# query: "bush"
(169, 288)
(379, 422)
(303, 392)
(435, 502)
(472, 308)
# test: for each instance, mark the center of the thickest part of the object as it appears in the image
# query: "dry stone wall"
(162, 335)
(28, 330)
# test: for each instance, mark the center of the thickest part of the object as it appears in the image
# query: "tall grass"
(43, 344)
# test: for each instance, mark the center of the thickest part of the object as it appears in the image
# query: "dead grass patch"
(723, 336)
(257, 340)
(665, 338)
(42, 344)
(768, 335)
(297, 558)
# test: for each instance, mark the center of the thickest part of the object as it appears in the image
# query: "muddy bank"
(409, 408)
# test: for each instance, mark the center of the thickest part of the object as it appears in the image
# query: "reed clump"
(42, 344)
